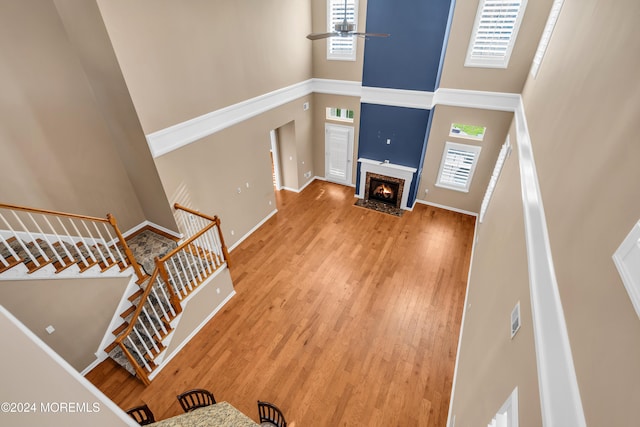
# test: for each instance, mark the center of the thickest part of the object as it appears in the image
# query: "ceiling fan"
(344, 29)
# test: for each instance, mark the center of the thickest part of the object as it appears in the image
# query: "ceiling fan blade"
(371, 34)
(318, 36)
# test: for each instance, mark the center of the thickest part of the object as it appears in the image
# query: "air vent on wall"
(515, 319)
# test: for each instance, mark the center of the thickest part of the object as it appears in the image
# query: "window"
(546, 36)
(341, 48)
(457, 166)
(494, 33)
(460, 130)
(340, 114)
(504, 153)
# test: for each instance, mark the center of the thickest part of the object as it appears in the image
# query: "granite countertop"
(222, 414)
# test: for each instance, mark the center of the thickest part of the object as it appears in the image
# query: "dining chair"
(196, 398)
(270, 415)
(142, 414)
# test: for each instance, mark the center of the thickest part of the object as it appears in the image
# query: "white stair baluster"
(105, 243)
(11, 251)
(155, 312)
(95, 243)
(135, 348)
(46, 239)
(84, 241)
(59, 239)
(82, 258)
(115, 245)
(144, 344)
(20, 242)
(175, 269)
(153, 327)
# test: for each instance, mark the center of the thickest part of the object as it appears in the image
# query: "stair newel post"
(127, 251)
(224, 246)
(175, 301)
(140, 373)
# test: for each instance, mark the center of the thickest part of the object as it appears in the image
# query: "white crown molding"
(166, 140)
(559, 393)
(337, 87)
(477, 99)
(397, 97)
(181, 134)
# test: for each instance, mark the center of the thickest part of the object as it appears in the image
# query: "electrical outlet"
(50, 329)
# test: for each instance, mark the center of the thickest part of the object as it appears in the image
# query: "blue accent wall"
(405, 127)
(410, 57)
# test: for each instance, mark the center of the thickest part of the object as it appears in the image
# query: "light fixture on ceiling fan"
(344, 29)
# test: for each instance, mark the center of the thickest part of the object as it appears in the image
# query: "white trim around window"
(457, 166)
(494, 33)
(341, 48)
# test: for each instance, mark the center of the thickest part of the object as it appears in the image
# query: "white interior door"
(338, 143)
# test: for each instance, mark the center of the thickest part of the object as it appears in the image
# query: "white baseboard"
(449, 208)
(99, 359)
(250, 232)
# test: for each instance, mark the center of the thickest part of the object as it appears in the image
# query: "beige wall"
(199, 307)
(182, 61)
(88, 37)
(321, 102)
(497, 124)
(582, 112)
(31, 375)
(80, 310)
(207, 173)
(511, 79)
(57, 149)
(338, 70)
(491, 364)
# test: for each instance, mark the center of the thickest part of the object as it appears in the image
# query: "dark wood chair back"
(142, 414)
(270, 413)
(196, 398)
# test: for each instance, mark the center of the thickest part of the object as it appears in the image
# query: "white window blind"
(546, 36)
(504, 153)
(494, 33)
(457, 166)
(341, 48)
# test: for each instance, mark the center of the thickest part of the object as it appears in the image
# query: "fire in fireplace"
(385, 191)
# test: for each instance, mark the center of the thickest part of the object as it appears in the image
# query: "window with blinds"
(341, 48)
(457, 166)
(546, 36)
(504, 153)
(494, 33)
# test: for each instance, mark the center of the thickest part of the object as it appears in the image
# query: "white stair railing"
(176, 275)
(38, 237)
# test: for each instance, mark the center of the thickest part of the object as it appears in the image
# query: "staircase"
(164, 270)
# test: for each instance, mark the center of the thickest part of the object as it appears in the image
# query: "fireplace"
(390, 175)
(384, 189)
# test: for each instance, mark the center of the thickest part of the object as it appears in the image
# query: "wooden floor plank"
(342, 317)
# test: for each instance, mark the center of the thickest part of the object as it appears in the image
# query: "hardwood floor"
(343, 317)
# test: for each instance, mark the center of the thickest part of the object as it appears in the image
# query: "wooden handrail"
(215, 220)
(127, 251)
(49, 212)
(136, 314)
(184, 208)
(187, 242)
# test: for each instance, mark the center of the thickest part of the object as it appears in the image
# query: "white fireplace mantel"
(388, 169)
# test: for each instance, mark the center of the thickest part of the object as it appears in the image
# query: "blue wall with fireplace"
(410, 59)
